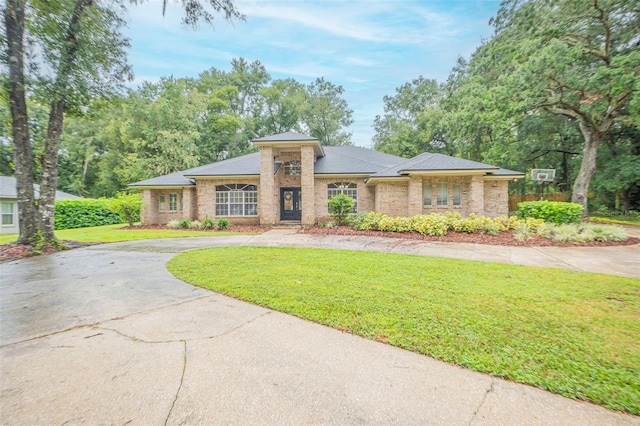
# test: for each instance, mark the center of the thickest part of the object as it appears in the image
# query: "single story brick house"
(292, 176)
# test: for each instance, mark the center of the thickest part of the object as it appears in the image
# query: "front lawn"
(115, 233)
(572, 333)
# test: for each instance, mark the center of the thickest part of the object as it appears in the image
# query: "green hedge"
(84, 213)
(550, 211)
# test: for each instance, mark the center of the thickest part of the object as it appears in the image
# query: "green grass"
(622, 220)
(114, 233)
(575, 334)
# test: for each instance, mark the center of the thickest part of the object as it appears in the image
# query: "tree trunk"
(49, 177)
(49, 173)
(27, 213)
(592, 140)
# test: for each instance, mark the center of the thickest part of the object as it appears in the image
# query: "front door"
(290, 204)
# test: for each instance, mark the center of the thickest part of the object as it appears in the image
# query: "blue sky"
(368, 47)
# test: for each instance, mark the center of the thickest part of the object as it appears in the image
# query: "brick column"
(266, 201)
(415, 196)
(476, 195)
(149, 208)
(307, 184)
(188, 207)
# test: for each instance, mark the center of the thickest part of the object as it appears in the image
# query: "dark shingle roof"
(353, 160)
(8, 185)
(433, 162)
(172, 179)
(285, 137)
(337, 160)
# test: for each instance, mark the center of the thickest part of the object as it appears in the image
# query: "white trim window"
(346, 188)
(457, 194)
(443, 194)
(427, 195)
(7, 214)
(236, 199)
(293, 168)
(169, 203)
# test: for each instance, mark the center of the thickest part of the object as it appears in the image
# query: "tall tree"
(573, 58)
(325, 113)
(80, 44)
(412, 119)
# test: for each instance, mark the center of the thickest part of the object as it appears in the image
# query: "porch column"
(307, 184)
(149, 211)
(188, 205)
(476, 195)
(415, 196)
(267, 196)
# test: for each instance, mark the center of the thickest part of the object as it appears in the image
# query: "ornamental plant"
(340, 207)
(551, 211)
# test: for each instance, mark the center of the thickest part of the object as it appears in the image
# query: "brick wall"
(308, 158)
(365, 195)
(206, 200)
(267, 197)
(496, 198)
(391, 198)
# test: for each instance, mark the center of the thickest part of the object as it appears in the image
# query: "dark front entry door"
(290, 204)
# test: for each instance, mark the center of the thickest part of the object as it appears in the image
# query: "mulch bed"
(502, 239)
(13, 251)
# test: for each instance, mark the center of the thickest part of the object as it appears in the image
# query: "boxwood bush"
(550, 211)
(84, 213)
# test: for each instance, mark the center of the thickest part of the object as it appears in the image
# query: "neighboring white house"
(9, 205)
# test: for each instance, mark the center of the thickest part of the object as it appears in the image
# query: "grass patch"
(573, 333)
(622, 220)
(115, 233)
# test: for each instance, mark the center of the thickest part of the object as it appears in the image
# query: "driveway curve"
(105, 334)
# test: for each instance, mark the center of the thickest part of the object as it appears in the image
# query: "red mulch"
(13, 251)
(502, 239)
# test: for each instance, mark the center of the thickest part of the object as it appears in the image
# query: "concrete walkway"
(105, 335)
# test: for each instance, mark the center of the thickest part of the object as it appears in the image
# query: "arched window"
(346, 188)
(292, 168)
(236, 199)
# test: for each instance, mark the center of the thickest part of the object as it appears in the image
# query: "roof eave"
(448, 172)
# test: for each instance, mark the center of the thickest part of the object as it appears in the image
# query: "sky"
(369, 47)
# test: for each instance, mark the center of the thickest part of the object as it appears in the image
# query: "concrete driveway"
(105, 335)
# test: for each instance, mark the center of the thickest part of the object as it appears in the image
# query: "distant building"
(9, 203)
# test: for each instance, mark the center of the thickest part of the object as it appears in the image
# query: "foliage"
(412, 120)
(546, 327)
(208, 223)
(340, 207)
(128, 206)
(84, 213)
(195, 224)
(550, 211)
(222, 224)
(632, 219)
(174, 224)
(366, 221)
(583, 233)
(184, 223)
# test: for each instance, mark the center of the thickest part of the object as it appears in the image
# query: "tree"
(325, 113)
(575, 59)
(81, 46)
(412, 119)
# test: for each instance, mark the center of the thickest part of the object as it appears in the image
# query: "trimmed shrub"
(195, 224)
(223, 224)
(83, 213)
(367, 221)
(550, 211)
(434, 224)
(208, 223)
(340, 207)
(173, 224)
(128, 206)
(395, 224)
